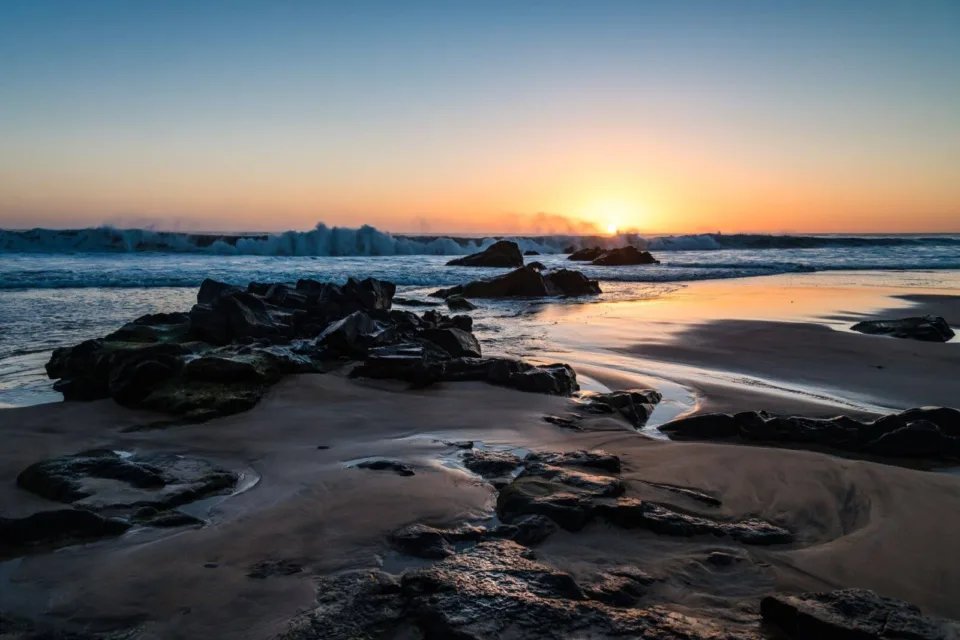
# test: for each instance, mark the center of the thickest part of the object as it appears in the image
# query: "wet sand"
(857, 523)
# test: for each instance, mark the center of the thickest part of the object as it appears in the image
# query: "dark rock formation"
(105, 481)
(50, 529)
(491, 464)
(925, 328)
(636, 405)
(459, 303)
(489, 591)
(422, 541)
(387, 465)
(410, 302)
(852, 614)
(526, 282)
(929, 432)
(586, 254)
(623, 256)
(270, 568)
(224, 355)
(531, 252)
(502, 253)
(539, 266)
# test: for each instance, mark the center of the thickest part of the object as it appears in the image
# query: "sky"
(657, 116)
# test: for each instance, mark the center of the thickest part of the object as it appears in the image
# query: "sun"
(612, 229)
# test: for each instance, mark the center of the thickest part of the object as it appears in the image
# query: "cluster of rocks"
(530, 281)
(106, 493)
(223, 355)
(926, 433)
(923, 328)
(623, 256)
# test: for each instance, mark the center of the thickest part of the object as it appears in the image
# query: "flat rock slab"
(924, 328)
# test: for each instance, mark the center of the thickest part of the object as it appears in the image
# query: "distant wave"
(369, 241)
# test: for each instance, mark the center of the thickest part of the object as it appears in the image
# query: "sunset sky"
(660, 116)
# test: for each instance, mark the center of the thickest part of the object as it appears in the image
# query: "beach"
(778, 344)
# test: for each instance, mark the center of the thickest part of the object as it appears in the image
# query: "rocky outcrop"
(494, 589)
(585, 255)
(531, 252)
(224, 355)
(46, 530)
(852, 614)
(636, 405)
(927, 433)
(623, 256)
(502, 253)
(924, 328)
(387, 465)
(459, 303)
(526, 282)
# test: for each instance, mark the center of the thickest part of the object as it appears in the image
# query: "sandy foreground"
(857, 523)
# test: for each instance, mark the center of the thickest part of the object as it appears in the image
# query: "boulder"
(491, 464)
(918, 439)
(353, 334)
(154, 327)
(623, 256)
(211, 289)
(387, 465)
(531, 252)
(586, 254)
(565, 282)
(133, 380)
(924, 328)
(596, 459)
(370, 294)
(539, 266)
(502, 253)
(635, 405)
(456, 342)
(421, 541)
(459, 303)
(706, 426)
(852, 614)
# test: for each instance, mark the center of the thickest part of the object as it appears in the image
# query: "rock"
(586, 254)
(564, 423)
(618, 589)
(419, 364)
(918, 439)
(410, 302)
(502, 253)
(370, 294)
(565, 282)
(623, 256)
(456, 342)
(527, 530)
(635, 405)
(539, 266)
(491, 464)
(596, 485)
(852, 614)
(525, 282)
(492, 590)
(387, 465)
(706, 426)
(693, 494)
(132, 381)
(554, 379)
(171, 519)
(596, 459)
(211, 289)
(631, 513)
(925, 328)
(155, 327)
(215, 368)
(55, 529)
(421, 541)
(102, 480)
(531, 252)
(353, 334)
(570, 508)
(270, 568)
(459, 303)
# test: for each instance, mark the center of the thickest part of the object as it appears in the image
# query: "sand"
(858, 523)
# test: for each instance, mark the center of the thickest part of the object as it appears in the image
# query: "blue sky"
(659, 114)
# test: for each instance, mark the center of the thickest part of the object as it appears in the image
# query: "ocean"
(58, 288)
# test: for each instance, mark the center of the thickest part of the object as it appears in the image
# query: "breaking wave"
(369, 241)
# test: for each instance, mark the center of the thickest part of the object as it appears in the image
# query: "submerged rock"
(924, 328)
(852, 614)
(623, 256)
(502, 253)
(387, 465)
(459, 303)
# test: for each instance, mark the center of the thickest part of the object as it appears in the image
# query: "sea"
(59, 287)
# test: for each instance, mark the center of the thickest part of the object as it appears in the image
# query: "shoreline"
(315, 513)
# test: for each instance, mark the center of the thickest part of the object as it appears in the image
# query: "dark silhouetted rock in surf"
(51, 529)
(924, 328)
(456, 342)
(459, 303)
(387, 465)
(635, 405)
(623, 256)
(539, 266)
(526, 282)
(585, 255)
(502, 253)
(707, 426)
(531, 252)
(852, 614)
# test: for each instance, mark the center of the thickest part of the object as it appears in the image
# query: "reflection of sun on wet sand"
(662, 544)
